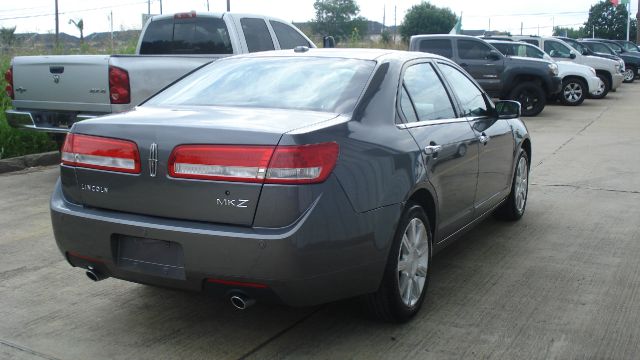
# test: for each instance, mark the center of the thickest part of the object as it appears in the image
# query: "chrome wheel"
(573, 92)
(413, 262)
(629, 75)
(601, 89)
(521, 184)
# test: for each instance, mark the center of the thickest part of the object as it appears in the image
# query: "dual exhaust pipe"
(238, 300)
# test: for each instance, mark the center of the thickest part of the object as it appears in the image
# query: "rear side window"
(256, 34)
(186, 36)
(472, 50)
(441, 47)
(287, 36)
(430, 99)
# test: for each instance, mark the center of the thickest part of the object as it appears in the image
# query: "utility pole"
(628, 18)
(207, 5)
(228, 5)
(57, 27)
(384, 15)
(395, 24)
(160, 7)
(148, 7)
(638, 27)
(489, 24)
(111, 20)
(521, 24)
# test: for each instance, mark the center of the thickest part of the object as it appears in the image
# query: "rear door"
(449, 144)
(256, 33)
(495, 139)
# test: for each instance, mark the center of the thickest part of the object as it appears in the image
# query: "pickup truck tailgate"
(68, 82)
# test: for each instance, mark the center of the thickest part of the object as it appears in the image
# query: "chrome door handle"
(432, 149)
(484, 139)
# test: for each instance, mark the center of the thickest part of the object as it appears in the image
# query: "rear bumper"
(45, 121)
(309, 262)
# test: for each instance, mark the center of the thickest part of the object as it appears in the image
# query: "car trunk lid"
(157, 132)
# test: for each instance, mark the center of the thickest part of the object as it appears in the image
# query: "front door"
(473, 57)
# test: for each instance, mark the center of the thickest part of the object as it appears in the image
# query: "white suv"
(609, 71)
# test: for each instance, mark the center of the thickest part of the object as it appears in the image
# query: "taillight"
(101, 153)
(304, 164)
(8, 76)
(119, 89)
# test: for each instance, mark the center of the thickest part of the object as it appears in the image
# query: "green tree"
(569, 32)
(7, 37)
(425, 18)
(607, 21)
(338, 18)
(80, 25)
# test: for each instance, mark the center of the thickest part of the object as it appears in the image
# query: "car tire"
(574, 91)
(531, 97)
(630, 74)
(407, 270)
(604, 88)
(514, 206)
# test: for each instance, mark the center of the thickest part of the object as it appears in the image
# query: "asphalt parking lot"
(564, 282)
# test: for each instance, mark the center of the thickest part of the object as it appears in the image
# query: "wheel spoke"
(422, 270)
(403, 265)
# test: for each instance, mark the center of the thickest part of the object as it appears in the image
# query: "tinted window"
(287, 36)
(505, 49)
(306, 83)
(429, 96)
(530, 41)
(601, 48)
(406, 106)
(256, 34)
(615, 47)
(472, 50)
(556, 49)
(441, 47)
(471, 98)
(186, 36)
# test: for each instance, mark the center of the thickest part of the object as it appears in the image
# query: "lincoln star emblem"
(56, 78)
(153, 159)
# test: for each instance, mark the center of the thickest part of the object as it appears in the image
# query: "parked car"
(631, 59)
(527, 81)
(628, 45)
(301, 176)
(578, 81)
(584, 50)
(609, 71)
(50, 93)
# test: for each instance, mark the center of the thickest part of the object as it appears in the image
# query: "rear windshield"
(304, 83)
(200, 35)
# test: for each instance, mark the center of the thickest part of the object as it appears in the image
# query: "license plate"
(153, 257)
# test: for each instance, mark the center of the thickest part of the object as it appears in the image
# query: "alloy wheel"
(573, 92)
(521, 187)
(413, 262)
(629, 75)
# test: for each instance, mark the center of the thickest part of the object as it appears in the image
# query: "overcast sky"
(536, 16)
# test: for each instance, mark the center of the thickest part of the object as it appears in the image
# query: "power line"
(535, 14)
(74, 11)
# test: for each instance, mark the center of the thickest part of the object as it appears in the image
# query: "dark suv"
(631, 59)
(528, 81)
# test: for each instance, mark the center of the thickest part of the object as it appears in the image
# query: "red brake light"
(101, 153)
(8, 76)
(304, 164)
(119, 90)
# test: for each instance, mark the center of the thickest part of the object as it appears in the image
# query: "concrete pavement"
(564, 282)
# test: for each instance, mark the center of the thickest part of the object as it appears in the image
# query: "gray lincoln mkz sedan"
(301, 176)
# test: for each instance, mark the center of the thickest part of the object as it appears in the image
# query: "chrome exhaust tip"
(241, 302)
(95, 275)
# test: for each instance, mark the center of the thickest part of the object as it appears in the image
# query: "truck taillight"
(119, 89)
(96, 152)
(8, 76)
(304, 164)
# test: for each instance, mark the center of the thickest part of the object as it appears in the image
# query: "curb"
(23, 162)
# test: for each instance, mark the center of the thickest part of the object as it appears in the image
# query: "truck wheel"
(530, 96)
(629, 74)
(604, 88)
(406, 276)
(574, 91)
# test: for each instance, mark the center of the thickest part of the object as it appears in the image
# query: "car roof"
(346, 53)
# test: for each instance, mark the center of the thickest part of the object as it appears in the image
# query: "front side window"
(556, 49)
(305, 83)
(256, 34)
(287, 36)
(473, 50)
(430, 99)
(601, 48)
(471, 98)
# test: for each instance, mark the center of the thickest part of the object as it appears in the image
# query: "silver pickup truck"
(50, 93)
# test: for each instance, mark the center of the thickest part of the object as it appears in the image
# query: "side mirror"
(508, 109)
(328, 42)
(494, 55)
(572, 55)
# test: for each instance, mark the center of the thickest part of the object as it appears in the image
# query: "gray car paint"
(308, 243)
